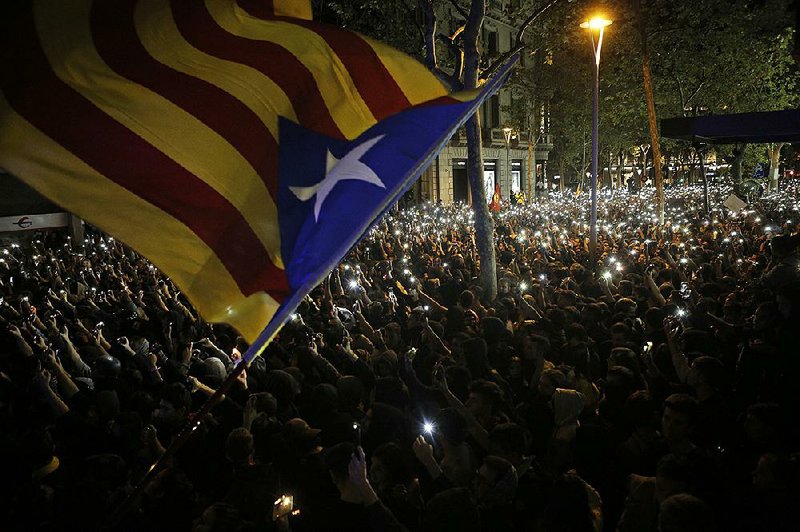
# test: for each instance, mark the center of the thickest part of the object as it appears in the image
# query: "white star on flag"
(348, 167)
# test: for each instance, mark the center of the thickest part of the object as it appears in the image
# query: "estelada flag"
(238, 145)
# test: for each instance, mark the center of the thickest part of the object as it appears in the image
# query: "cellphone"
(357, 434)
(438, 370)
(647, 349)
(685, 292)
(284, 506)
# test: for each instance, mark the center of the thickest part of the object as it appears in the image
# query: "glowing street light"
(595, 25)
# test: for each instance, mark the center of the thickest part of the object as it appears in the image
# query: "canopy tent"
(774, 126)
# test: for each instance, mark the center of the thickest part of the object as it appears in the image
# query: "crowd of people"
(653, 388)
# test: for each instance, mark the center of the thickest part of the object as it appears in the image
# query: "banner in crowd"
(238, 145)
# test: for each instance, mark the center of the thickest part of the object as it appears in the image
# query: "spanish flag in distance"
(238, 145)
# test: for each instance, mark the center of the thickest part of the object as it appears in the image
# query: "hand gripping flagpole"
(255, 349)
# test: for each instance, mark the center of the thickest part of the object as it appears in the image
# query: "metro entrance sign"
(33, 222)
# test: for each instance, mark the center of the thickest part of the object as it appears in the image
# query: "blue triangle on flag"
(349, 201)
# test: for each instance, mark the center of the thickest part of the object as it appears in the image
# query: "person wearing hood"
(567, 408)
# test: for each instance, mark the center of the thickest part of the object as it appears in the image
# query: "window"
(491, 44)
(494, 103)
(516, 176)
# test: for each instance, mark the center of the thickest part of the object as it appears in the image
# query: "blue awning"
(774, 126)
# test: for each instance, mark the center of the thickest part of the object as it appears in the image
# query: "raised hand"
(241, 379)
(149, 435)
(205, 342)
(40, 342)
(124, 342)
(152, 360)
(13, 329)
(440, 377)
(250, 413)
(424, 453)
(51, 360)
(671, 328)
(358, 467)
(42, 379)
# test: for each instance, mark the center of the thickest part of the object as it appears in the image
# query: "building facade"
(514, 159)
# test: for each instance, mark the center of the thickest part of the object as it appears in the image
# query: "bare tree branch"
(519, 45)
(456, 49)
(430, 34)
(697, 89)
(451, 81)
(536, 14)
(680, 92)
(461, 10)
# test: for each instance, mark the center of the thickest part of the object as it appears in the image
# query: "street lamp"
(507, 135)
(598, 25)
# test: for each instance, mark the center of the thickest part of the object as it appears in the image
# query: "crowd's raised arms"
(655, 388)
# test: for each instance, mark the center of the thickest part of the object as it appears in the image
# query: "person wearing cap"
(298, 435)
(303, 471)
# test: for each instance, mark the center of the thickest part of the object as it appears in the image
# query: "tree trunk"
(692, 175)
(484, 224)
(642, 175)
(774, 153)
(701, 151)
(651, 115)
(736, 163)
(532, 167)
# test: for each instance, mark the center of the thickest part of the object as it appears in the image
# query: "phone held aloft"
(283, 506)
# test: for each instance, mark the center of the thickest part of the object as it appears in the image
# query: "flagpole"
(132, 499)
(255, 349)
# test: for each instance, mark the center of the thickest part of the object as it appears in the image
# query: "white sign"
(516, 181)
(735, 203)
(33, 222)
(488, 184)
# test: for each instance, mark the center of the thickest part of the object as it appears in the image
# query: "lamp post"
(596, 24)
(507, 135)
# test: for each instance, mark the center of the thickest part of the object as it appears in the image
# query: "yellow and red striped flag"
(165, 123)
